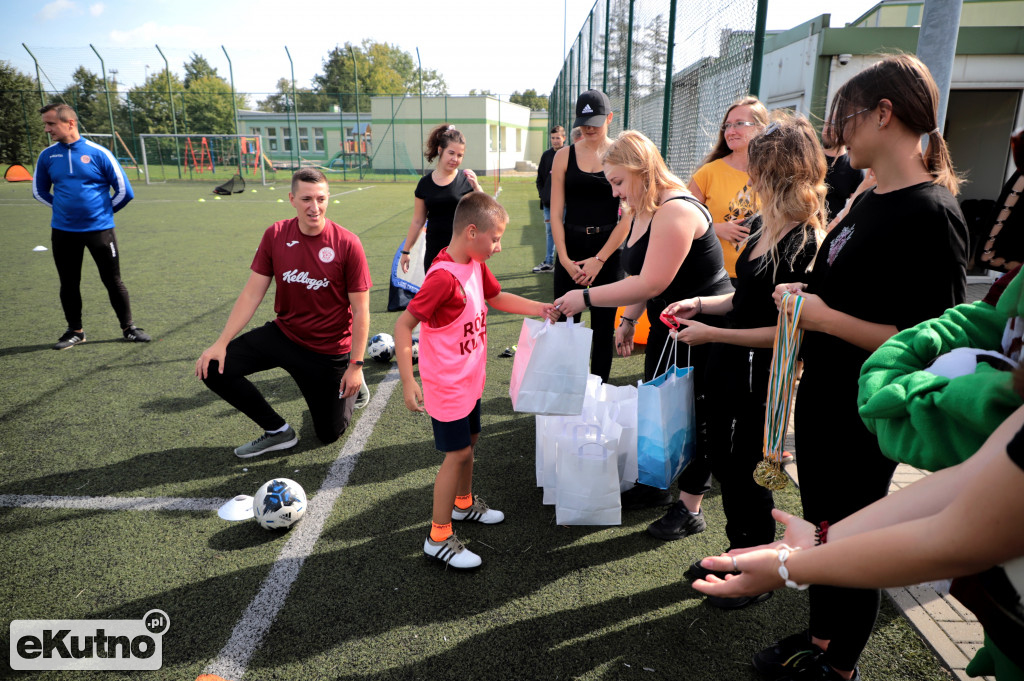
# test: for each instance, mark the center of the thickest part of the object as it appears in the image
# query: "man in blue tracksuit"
(82, 174)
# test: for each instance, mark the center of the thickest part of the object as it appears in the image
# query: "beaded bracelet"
(821, 533)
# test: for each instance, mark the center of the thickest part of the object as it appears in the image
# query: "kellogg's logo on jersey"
(326, 254)
(296, 277)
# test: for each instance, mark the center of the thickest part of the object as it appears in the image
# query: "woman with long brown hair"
(897, 258)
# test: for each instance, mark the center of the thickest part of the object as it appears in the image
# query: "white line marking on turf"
(110, 503)
(248, 633)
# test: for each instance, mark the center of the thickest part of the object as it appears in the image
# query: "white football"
(279, 504)
(382, 348)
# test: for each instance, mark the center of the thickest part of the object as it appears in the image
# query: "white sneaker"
(479, 512)
(452, 553)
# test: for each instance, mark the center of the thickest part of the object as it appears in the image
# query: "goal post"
(222, 157)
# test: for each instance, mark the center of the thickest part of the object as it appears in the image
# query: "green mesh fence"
(635, 50)
(129, 92)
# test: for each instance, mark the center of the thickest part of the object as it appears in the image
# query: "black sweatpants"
(318, 377)
(68, 253)
(579, 246)
(841, 471)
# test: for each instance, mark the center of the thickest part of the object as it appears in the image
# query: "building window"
(286, 136)
(519, 139)
(494, 138)
(318, 139)
(303, 139)
(272, 139)
(504, 135)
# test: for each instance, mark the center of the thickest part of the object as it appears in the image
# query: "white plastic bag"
(549, 375)
(588, 487)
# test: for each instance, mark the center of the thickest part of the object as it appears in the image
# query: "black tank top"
(701, 274)
(588, 197)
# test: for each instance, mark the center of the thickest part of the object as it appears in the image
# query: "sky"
(501, 47)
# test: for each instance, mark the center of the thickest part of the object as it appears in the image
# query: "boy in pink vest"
(451, 308)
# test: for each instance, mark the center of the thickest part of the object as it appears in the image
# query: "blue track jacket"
(82, 175)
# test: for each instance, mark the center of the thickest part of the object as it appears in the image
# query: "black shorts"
(451, 436)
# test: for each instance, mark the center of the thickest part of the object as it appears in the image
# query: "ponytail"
(939, 163)
(439, 139)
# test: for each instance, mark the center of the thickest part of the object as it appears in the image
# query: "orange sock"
(440, 532)
(464, 502)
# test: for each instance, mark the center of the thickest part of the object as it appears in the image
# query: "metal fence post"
(607, 25)
(629, 69)
(39, 78)
(174, 117)
(234, 109)
(355, 70)
(666, 110)
(758, 56)
(295, 115)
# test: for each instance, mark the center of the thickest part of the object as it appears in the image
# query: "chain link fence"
(630, 49)
(121, 94)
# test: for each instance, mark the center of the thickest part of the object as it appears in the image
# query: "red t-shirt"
(441, 300)
(313, 275)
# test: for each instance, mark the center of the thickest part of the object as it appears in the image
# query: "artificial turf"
(113, 419)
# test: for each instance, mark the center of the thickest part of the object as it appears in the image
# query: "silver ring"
(734, 566)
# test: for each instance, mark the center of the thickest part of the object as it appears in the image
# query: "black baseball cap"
(592, 108)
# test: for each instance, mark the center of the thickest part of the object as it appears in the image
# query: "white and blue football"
(279, 504)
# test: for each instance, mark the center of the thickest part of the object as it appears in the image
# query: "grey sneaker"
(452, 553)
(544, 267)
(69, 340)
(268, 442)
(363, 398)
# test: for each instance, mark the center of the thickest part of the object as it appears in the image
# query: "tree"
(480, 93)
(197, 68)
(20, 130)
(151, 108)
(88, 97)
(280, 101)
(531, 99)
(383, 70)
(208, 106)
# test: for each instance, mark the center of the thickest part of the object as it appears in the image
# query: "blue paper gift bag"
(666, 426)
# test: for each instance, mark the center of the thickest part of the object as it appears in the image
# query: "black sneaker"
(698, 571)
(789, 656)
(677, 523)
(819, 671)
(645, 496)
(735, 603)
(69, 340)
(134, 334)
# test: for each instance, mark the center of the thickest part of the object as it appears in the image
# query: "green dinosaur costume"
(933, 422)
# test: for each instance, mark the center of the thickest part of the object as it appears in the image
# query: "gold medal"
(769, 474)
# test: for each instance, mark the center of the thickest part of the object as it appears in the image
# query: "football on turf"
(415, 351)
(279, 504)
(382, 348)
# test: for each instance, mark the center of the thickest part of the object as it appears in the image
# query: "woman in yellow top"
(722, 183)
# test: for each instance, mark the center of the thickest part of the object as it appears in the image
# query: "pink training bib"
(453, 358)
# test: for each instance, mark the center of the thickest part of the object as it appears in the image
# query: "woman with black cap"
(587, 239)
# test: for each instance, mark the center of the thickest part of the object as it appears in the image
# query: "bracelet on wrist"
(821, 533)
(784, 554)
(599, 259)
(632, 322)
(586, 297)
(357, 362)
(700, 305)
(406, 252)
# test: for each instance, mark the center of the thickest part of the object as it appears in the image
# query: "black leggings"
(318, 377)
(580, 246)
(841, 471)
(68, 252)
(736, 396)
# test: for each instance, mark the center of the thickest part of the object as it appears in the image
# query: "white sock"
(279, 430)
